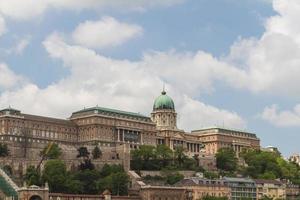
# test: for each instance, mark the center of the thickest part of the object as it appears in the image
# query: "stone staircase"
(8, 186)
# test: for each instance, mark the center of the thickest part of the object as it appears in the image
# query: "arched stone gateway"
(35, 197)
(34, 192)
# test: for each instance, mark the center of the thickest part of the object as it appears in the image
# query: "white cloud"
(95, 79)
(195, 115)
(106, 32)
(29, 9)
(8, 79)
(271, 63)
(2, 26)
(283, 118)
(19, 47)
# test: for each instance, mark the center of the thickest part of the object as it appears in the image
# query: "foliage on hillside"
(53, 153)
(4, 151)
(258, 165)
(84, 180)
(157, 158)
(269, 165)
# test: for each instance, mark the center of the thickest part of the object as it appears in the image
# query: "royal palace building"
(115, 131)
(215, 138)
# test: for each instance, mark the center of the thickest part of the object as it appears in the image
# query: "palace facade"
(215, 138)
(115, 131)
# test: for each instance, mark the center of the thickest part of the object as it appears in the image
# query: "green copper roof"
(111, 111)
(10, 109)
(163, 102)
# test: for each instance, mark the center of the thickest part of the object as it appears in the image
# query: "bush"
(210, 175)
(171, 179)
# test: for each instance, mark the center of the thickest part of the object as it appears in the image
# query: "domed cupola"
(163, 102)
(164, 114)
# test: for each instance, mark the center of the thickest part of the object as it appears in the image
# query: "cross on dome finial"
(163, 91)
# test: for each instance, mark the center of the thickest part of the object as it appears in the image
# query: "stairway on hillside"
(8, 186)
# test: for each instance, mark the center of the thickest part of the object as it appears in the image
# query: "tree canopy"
(53, 153)
(4, 151)
(157, 158)
(80, 181)
(226, 160)
(97, 153)
(55, 174)
(269, 165)
(32, 176)
(83, 152)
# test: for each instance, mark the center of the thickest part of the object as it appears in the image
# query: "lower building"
(241, 188)
(270, 188)
(205, 187)
(295, 158)
(164, 193)
(271, 149)
(292, 191)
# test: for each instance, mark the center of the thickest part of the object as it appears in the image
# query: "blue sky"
(223, 61)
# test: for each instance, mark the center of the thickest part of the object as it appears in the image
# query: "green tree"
(32, 176)
(54, 152)
(83, 152)
(55, 174)
(173, 178)
(163, 153)
(266, 165)
(86, 162)
(190, 164)
(73, 186)
(114, 178)
(210, 175)
(4, 151)
(117, 183)
(88, 179)
(144, 158)
(145, 152)
(226, 159)
(97, 153)
(120, 183)
(179, 155)
(110, 169)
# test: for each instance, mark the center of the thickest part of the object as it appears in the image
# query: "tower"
(163, 113)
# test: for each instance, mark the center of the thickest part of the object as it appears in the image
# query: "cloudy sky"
(232, 63)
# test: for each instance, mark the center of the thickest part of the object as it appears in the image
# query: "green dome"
(163, 102)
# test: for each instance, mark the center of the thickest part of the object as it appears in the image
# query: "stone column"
(118, 135)
(141, 137)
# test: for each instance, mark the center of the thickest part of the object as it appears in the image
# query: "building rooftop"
(99, 110)
(240, 180)
(263, 181)
(10, 109)
(222, 128)
(48, 119)
(193, 181)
